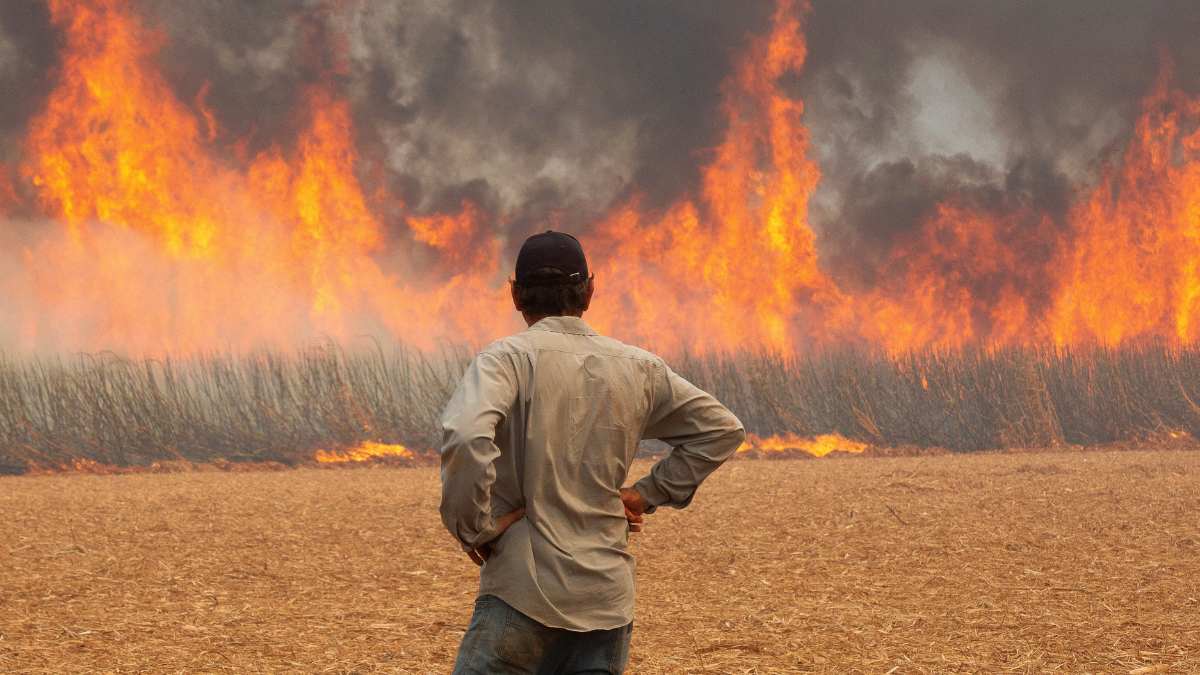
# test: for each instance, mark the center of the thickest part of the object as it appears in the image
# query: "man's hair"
(551, 293)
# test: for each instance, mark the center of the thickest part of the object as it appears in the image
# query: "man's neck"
(531, 319)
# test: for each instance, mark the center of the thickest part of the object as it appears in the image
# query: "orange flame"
(365, 452)
(738, 265)
(1124, 266)
(818, 446)
(965, 278)
(1132, 269)
(167, 244)
(168, 247)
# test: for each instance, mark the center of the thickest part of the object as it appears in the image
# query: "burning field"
(192, 208)
(1076, 562)
(911, 239)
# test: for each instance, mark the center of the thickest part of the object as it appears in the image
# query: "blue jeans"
(502, 640)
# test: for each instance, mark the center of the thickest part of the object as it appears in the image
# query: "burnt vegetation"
(282, 407)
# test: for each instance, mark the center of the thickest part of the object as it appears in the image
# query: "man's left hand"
(481, 554)
(635, 508)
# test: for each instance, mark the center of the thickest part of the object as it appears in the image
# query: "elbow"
(464, 527)
(467, 473)
(737, 431)
(739, 436)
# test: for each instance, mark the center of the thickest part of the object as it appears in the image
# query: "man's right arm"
(469, 451)
(702, 434)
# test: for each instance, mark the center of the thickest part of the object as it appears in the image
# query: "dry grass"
(284, 406)
(977, 563)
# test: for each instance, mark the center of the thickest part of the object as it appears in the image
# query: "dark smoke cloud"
(28, 53)
(533, 109)
(1035, 96)
(245, 56)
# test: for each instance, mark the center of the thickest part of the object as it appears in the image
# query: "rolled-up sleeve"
(480, 403)
(702, 434)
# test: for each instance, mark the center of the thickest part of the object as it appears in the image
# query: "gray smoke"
(28, 53)
(530, 109)
(1001, 104)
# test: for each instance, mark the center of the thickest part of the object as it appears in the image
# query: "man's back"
(553, 416)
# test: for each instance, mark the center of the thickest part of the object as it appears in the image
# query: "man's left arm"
(481, 402)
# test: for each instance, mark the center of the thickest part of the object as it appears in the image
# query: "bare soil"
(1075, 562)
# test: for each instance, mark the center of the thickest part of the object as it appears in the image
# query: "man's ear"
(512, 287)
(587, 294)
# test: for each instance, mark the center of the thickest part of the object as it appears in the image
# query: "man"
(538, 440)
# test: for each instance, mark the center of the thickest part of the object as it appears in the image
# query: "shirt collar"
(571, 325)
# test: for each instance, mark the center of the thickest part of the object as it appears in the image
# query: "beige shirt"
(550, 419)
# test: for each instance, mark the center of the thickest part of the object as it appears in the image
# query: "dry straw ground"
(981, 563)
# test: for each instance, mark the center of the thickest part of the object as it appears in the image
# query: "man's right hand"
(635, 508)
(481, 554)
